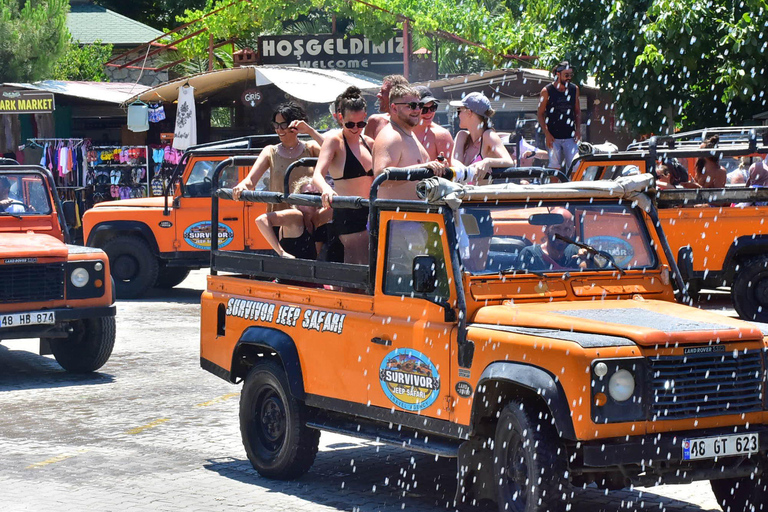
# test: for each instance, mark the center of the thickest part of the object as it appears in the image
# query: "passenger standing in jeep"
(288, 121)
(397, 146)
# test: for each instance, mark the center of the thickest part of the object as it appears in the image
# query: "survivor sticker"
(409, 379)
(289, 316)
(198, 235)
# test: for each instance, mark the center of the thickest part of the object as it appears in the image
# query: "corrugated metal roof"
(89, 23)
(107, 92)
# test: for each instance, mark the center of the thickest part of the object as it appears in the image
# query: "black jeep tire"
(134, 268)
(88, 345)
(529, 461)
(168, 277)
(273, 425)
(749, 289)
(747, 494)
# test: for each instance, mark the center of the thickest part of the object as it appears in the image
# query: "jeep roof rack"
(730, 136)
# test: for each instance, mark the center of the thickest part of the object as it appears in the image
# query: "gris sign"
(334, 52)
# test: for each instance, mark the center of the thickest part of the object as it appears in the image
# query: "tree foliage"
(697, 63)
(33, 35)
(155, 13)
(83, 63)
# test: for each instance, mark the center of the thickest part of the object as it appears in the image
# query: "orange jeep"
(530, 332)
(49, 289)
(719, 236)
(156, 241)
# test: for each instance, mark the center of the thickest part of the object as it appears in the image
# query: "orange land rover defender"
(49, 289)
(531, 332)
(719, 236)
(156, 241)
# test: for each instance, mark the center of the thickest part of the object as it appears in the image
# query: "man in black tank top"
(560, 117)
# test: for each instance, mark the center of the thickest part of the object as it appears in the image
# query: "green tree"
(83, 63)
(693, 63)
(33, 35)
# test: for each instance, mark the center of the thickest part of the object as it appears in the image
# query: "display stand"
(119, 172)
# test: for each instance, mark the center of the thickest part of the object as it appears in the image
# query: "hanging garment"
(156, 113)
(185, 134)
(138, 117)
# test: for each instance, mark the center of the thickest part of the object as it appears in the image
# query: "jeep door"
(192, 208)
(410, 351)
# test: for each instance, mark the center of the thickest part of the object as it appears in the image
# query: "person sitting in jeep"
(555, 253)
(8, 204)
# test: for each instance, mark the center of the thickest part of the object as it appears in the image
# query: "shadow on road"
(20, 369)
(384, 478)
(178, 295)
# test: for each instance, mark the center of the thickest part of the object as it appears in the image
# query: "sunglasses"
(427, 110)
(281, 126)
(413, 105)
(359, 124)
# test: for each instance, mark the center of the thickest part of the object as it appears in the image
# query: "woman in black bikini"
(302, 232)
(346, 156)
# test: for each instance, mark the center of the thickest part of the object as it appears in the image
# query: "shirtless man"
(435, 139)
(378, 121)
(397, 146)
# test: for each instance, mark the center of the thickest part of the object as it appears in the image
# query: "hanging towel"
(138, 117)
(185, 134)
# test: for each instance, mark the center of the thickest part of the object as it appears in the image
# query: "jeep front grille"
(706, 384)
(31, 283)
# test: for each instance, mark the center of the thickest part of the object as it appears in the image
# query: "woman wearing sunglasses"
(477, 145)
(302, 229)
(288, 120)
(346, 157)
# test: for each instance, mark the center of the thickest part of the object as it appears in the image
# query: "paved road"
(154, 432)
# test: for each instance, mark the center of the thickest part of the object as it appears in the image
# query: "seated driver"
(555, 253)
(7, 204)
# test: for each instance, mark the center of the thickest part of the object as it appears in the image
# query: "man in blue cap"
(559, 116)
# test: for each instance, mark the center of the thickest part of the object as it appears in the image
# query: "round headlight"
(601, 369)
(79, 277)
(621, 386)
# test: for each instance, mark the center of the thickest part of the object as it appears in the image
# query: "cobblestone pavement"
(154, 432)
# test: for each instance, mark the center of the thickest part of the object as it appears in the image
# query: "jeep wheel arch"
(261, 342)
(103, 231)
(515, 381)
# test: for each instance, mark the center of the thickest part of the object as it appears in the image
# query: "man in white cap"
(435, 139)
(560, 117)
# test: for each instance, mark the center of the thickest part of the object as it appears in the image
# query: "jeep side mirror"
(69, 212)
(424, 274)
(685, 262)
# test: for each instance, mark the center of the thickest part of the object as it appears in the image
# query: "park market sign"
(15, 101)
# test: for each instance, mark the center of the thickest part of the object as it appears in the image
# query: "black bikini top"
(352, 166)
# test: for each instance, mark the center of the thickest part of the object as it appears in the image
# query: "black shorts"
(348, 221)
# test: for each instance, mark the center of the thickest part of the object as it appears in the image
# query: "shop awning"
(106, 92)
(311, 85)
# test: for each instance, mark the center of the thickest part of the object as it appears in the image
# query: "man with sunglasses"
(378, 121)
(559, 116)
(396, 145)
(435, 139)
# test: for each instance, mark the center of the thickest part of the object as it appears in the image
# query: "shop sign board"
(16, 101)
(328, 51)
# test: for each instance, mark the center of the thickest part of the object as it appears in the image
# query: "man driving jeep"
(8, 204)
(555, 253)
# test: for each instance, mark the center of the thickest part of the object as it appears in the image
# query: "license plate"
(24, 319)
(720, 446)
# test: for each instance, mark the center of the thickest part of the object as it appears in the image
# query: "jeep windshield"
(539, 238)
(23, 194)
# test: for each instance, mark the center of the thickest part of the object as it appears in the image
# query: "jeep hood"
(141, 202)
(30, 245)
(644, 322)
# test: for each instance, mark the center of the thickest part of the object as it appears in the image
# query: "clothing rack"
(74, 142)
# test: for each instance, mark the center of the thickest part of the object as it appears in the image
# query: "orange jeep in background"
(465, 339)
(49, 289)
(156, 241)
